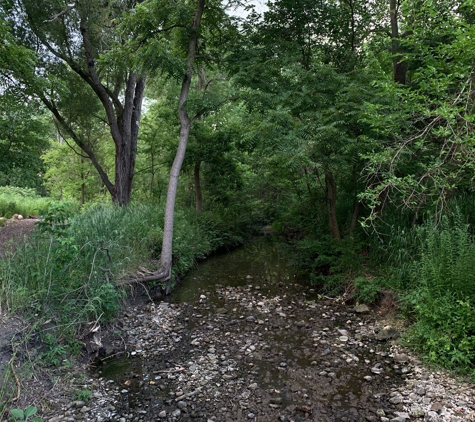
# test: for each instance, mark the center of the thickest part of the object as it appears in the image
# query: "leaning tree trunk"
(185, 124)
(164, 272)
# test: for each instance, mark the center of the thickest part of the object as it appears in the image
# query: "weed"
(55, 352)
(84, 395)
(367, 289)
(19, 415)
(442, 301)
(54, 221)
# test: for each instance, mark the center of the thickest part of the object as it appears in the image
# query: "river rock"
(386, 333)
(401, 358)
(437, 407)
(361, 309)
(402, 415)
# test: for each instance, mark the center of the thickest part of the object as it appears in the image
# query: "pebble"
(225, 364)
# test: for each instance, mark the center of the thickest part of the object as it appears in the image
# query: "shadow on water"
(262, 261)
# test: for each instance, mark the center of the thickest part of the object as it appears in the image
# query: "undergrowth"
(76, 267)
(24, 201)
(441, 300)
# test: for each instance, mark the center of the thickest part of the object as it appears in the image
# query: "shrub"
(441, 301)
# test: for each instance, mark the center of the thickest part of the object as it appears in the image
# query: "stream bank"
(245, 340)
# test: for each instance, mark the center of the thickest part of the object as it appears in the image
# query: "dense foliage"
(346, 127)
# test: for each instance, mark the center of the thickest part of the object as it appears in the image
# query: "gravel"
(243, 354)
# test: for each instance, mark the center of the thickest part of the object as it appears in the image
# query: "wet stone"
(386, 333)
(229, 365)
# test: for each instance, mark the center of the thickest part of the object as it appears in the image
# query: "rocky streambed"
(257, 350)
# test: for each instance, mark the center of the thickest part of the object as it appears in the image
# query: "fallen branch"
(184, 396)
(17, 381)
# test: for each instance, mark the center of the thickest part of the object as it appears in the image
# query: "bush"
(442, 299)
(368, 289)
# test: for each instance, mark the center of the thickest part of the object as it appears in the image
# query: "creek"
(244, 338)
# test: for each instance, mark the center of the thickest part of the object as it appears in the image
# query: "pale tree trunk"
(164, 272)
(185, 124)
(330, 185)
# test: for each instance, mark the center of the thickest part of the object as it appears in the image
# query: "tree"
(303, 72)
(423, 132)
(69, 174)
(185, 125)
(24, 134)
(399, 64)
(69, 40)
(154, 21)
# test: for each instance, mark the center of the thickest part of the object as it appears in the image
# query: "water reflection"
(260, 262)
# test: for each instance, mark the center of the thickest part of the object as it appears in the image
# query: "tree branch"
(63, 12)
(99, 89)
(62, 121)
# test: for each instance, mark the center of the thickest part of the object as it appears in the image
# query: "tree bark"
(330, 185)
(126, 142)
(185, 124)
(197, 182)
(354, 217)
(399, 64)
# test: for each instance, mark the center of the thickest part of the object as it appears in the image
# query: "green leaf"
(30, 411)
(17, 414)
(36, 419)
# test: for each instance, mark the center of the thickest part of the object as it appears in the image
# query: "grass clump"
(70, 269)
(76, 266)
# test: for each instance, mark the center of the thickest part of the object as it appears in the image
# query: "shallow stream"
(244, 338)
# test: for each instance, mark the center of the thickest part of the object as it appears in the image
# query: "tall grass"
(22, 201)
(75, 268)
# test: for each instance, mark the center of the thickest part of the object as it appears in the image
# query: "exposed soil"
(15, 231)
